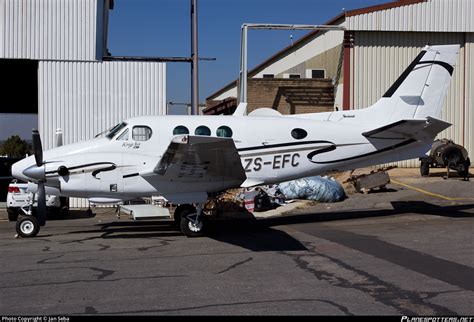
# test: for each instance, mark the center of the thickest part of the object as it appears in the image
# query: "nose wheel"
(27, 226)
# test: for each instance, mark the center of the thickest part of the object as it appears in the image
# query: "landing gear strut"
(190, 220)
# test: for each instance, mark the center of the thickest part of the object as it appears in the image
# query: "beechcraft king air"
(188, 159)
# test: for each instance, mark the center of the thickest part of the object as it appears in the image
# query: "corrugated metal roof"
(429, 15)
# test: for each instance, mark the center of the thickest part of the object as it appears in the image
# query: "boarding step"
(146, 211)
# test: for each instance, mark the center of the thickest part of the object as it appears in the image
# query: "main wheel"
(463, 170)
(425, 168)
(27, 226)
(13, 214)
(178, 213)
(189, 226)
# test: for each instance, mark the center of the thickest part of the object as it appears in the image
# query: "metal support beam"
(153, 59)
(243, 47)
(195, 59)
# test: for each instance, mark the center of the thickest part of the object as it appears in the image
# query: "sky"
(161, 28)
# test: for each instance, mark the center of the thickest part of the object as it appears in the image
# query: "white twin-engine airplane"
(187, 159)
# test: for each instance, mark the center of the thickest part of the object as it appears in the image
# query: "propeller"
(38, 173)
(37, 147)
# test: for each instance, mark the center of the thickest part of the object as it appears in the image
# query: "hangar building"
(52, 61)
(363, 61)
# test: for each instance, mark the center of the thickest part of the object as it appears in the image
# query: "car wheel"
(13, 214)
(27, 226)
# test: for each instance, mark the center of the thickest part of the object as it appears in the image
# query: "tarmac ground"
(404, 250)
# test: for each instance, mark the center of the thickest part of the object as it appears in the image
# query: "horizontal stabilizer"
(409, 129)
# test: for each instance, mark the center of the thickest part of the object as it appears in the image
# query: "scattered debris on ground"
(366, 182)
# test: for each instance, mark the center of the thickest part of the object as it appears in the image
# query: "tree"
(15, 147)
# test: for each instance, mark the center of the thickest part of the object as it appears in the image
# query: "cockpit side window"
(116, 129)
(123, 136)
(141, 133)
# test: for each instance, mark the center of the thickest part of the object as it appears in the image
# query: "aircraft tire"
(187, 225)
(27, 226)
(425, 168)
(178, 213)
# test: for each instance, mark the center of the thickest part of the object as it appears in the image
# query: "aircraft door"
(110, 174)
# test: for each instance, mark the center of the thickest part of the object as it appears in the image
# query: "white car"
(18, 197)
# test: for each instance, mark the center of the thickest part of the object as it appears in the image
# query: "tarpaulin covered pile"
(322, 189)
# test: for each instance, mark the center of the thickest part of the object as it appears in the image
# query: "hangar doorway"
(19, 86)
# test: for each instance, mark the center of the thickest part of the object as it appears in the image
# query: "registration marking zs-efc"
(279, 161)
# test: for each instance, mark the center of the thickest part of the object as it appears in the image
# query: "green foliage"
(15, 147)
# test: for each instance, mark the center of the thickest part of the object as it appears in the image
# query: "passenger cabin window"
(224, 131)
(202, 130)
(116, 129)
(180, 129)
(123, 136)
(141, 133)
(299, 134)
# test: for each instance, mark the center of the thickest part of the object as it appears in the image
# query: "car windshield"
(116, 129)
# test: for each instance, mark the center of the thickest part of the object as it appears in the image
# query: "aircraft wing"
(202, 159)
(409, 129)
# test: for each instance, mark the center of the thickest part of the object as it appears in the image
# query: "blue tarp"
(313, 188)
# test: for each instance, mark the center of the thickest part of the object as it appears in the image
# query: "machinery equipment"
(445, 153)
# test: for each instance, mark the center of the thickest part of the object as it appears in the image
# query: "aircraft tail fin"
(421, 89)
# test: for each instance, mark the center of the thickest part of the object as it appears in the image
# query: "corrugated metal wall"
(469, 97)
(378, 59)
(432, 15)
(51, 29)
(85, 98)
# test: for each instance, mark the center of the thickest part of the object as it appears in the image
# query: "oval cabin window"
(180, 129)
(224, 132)
(299, 134)
(202, 130)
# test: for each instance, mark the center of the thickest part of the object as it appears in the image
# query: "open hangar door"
(19, 86)
(19, 107)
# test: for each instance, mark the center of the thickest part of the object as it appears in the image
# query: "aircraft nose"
(20, 166)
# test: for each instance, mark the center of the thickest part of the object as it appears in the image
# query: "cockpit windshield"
(116, 129)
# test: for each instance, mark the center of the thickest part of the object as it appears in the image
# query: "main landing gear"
(190, 220)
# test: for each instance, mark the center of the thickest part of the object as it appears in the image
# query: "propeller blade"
(37, 148)
(41, 204)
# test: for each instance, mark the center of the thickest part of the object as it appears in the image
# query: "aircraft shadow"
(252, 235)
(246, 233)
(71, 215)
(399, 208)
(258, 235)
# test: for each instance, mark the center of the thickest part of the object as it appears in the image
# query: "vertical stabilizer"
(421, 89)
